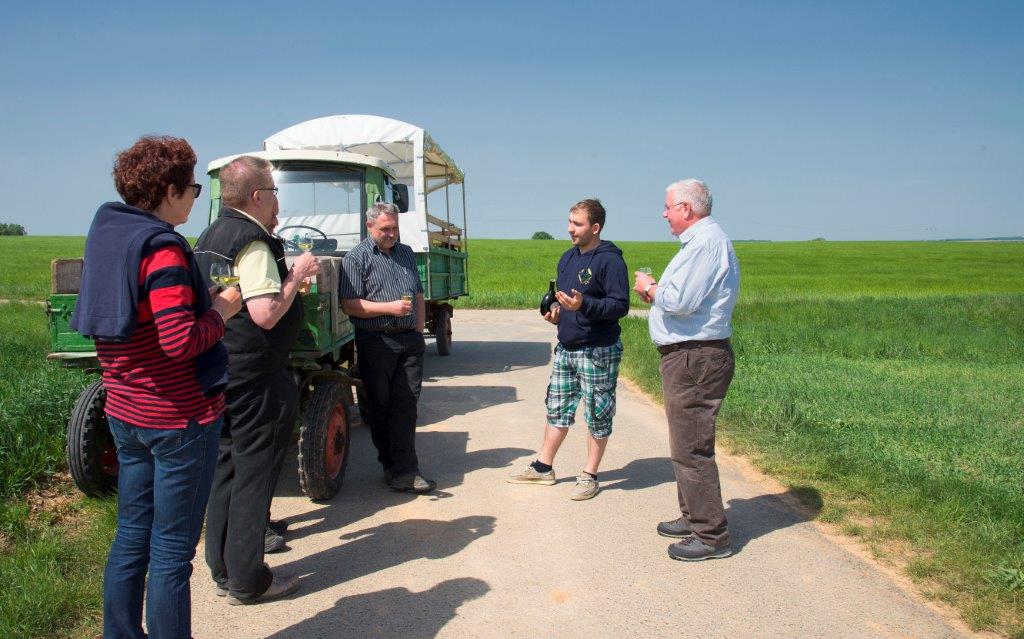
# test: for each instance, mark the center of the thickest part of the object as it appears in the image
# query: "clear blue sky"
(857, 121)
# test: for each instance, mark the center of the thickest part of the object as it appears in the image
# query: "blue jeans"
(163, 486)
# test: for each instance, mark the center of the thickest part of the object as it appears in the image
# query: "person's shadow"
(395, 612)
(749, 518)
(757, 516)
(438, 403)
(637, 475)
(484, 357)
(371, 550)
(443, 457)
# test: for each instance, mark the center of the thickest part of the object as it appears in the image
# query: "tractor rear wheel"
(92, 454)
(324, 440)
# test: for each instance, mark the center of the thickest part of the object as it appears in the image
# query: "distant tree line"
(12, 229)
(542, 235)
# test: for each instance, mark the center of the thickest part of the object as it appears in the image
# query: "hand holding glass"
(223, 275)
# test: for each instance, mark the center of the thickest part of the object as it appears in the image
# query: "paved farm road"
(484, 558)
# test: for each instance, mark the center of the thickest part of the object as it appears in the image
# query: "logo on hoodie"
(585, 276)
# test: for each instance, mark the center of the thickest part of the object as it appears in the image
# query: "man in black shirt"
(382, 294)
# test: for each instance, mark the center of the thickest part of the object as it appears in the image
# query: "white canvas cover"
(417, 160)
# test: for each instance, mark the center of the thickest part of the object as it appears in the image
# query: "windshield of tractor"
(326, 197)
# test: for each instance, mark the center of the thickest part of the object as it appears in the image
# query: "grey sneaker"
(677, 528)
(279, 588)
(529, 475)
(412, 483)
(693, 549)
(273, 542)
(219, 590)
(280, 526)
(586, 487)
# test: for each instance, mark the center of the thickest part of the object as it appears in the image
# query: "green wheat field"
(883, 381)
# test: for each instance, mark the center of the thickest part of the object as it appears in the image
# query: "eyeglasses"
(672, 206)
(268, 188)
(197, 188)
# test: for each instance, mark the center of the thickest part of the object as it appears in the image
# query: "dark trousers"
(695, 381)
(257, 429)
(391, 367)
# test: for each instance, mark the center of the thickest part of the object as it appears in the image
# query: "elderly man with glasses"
(690, 323)
(262, 399)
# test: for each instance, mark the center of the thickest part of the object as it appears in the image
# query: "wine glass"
(304, 242)
(222, 274)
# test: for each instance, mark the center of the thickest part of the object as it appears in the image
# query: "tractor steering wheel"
(290, 245)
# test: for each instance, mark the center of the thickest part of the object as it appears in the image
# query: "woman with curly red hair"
(157, 334)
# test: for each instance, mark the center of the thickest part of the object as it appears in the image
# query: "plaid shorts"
(592, 373)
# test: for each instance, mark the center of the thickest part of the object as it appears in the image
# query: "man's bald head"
(240, 177)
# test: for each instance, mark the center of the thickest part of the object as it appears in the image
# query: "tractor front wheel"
(324, 440)
(92, 454)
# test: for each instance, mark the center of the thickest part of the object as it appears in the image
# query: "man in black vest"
(261, 395)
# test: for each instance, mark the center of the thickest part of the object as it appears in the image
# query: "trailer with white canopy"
(330, 170)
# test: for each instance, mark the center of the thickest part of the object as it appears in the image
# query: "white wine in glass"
(223, 275)
(305, 242)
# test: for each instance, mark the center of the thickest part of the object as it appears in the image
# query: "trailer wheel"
(324, 440)
(92, 454)
(443, 330)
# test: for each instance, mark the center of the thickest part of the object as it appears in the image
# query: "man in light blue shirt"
(690, 323)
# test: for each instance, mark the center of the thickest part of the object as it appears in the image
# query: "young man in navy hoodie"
(593, 293)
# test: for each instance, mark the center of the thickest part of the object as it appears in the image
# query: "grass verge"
(906, 416)
(53, 541)
(54, 545)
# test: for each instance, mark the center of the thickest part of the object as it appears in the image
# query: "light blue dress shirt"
(698, 290)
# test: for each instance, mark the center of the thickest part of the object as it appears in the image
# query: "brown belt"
(678, 346)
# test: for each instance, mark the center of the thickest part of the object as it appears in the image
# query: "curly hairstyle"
(143, 172)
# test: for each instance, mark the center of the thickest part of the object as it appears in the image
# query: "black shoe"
(273, 542)
(677, 528)
(280, 526)
(412, 483)
(693, 549)
(279, 588)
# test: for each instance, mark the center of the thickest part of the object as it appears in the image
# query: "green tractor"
(329, 171)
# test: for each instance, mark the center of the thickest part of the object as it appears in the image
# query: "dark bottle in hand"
(549, 300)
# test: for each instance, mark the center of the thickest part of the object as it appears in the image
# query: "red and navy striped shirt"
(151, 379)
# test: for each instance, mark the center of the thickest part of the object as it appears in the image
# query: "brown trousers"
(695, 379)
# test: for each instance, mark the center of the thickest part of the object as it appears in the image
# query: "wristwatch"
(647, 289)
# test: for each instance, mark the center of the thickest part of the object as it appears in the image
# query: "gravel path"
(483, 558)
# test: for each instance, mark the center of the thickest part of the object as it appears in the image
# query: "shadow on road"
(748, 518)
(438, 403)
(371, 550)
(481, 358)
(758, 516)
(639, 474)
(444, 457)
(395, 612)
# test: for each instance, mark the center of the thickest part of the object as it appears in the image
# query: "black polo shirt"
(375, 276)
